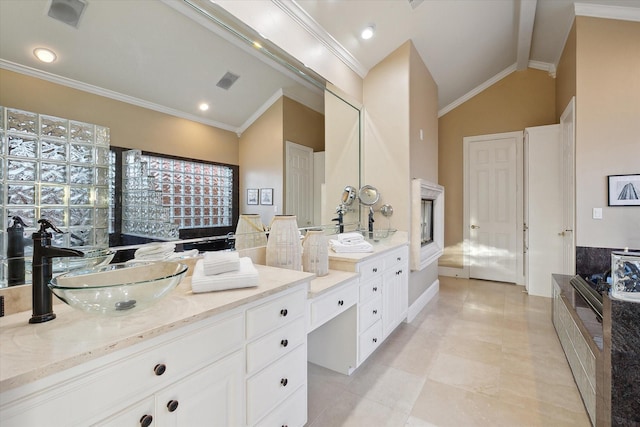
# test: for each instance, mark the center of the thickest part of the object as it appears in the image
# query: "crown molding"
(621, 13)
(464, 98)
(260, 111)
(544, 66)
(302, 18)
(85, 87)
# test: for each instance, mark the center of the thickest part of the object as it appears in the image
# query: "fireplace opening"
(426, 222)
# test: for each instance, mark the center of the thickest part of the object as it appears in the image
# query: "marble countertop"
(30, 352)
(321, 285)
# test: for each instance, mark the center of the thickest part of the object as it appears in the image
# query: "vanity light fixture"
(368, 32)
(204, 106)
(45, 55)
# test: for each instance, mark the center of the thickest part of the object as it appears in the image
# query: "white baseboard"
(463, 273)
(423, 300)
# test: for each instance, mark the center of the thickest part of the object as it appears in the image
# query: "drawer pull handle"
(284, 312)
(159, 369)
(146, 420)
(284, 382)
(172, 405)
(375, 311)
(399, 259)
(284, 343)
(375, 340)
(375, 269)
(340, 302)
(375, 289)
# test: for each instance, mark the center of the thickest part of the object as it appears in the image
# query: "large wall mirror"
(143, 68)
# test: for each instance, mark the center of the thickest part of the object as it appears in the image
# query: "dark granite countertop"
(589, 322)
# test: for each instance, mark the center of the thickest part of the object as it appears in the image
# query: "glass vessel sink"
(117, 289)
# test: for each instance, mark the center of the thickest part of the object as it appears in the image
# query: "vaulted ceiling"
(163, 55)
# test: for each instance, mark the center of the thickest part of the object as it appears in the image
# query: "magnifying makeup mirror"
(348, 195)
(369, 196)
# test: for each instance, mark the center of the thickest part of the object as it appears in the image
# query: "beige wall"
(131, 126)
(423, 153)
(607, 128)
(423, 110)
(303, 125)
(522, 99)
(261, 157)
(386, 135)
(566, 74)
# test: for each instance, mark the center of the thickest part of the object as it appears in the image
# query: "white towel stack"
(350, 243)
(244, 275)
(219, 262)
(350, 238)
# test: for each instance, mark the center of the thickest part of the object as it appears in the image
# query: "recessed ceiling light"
(204, 106)
(44, 55)
(368, 32)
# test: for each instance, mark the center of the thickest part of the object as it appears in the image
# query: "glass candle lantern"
(315, 253)
(625, 275)
(283, 245)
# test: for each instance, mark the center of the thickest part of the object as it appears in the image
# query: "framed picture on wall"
(252, 196)
(624, 190)
(266, 196)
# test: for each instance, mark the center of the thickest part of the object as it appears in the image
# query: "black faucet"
(340, 210)
(42, 271)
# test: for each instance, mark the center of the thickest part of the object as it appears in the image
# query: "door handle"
(473, 227)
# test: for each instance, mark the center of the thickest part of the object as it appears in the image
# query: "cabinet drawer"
(370, 312)
(369, 340)
(271, 386)
(398, 256)
(370, 269)
(133, 415)
(328, 306)
(275, 344)
(291, 413)
(371, 288)
(178, 357)
(275, 313)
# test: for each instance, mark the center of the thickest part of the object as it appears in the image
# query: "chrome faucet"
(42, 271)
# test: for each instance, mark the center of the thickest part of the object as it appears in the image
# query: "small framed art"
(266, 196)
(252, 196)
(624, 190)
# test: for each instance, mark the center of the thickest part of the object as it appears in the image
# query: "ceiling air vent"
(67, 11)
(415, 3)
(227, 80)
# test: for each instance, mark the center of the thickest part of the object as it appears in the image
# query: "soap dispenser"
(15, 252)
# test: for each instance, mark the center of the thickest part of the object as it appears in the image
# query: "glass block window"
(188, 194)
(57, 169)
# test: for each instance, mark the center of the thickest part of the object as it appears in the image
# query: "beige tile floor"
(480, 354)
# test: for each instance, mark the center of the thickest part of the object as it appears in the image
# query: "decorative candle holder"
(315, 253)
(283, 245)
(250, 232)
(625, 275)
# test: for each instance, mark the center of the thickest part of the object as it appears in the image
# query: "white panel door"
(543, 213)
(299, 183)
(493, 189)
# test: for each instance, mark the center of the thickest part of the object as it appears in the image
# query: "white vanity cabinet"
(96, 391)
(243, 366)
(277, 361)
(395, 290)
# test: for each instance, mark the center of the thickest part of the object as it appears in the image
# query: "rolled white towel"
(155, 251)
(245, 277)
(350, 238)
(219, 262)
(362, 247)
